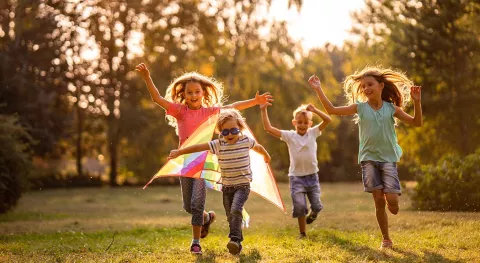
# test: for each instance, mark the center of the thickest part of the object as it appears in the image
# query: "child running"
(189, 100)
(232, 150)
(302, 148)
(377, 95)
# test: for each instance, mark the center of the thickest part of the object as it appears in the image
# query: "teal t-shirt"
(378, 140)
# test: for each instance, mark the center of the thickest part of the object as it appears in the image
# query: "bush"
(15, 161)
(451, 185)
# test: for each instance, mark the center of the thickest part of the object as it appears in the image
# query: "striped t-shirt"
(234, 160)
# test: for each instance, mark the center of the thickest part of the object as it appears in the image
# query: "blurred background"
(73, 113)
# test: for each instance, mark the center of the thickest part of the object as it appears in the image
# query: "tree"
(15, 161)
(30, 82)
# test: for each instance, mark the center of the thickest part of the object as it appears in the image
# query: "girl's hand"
(267, 158)
(142, 70)
(416, 93)
(264, 98)
(310, 107)
(314, 82)
(173, 154)
(265, 105)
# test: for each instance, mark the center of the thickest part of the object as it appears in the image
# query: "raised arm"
(266, 121)
(244, 104)
(416, 120)
(325, 118)
(259, 149)
(190, 149)
(315, 84)
(156, 97)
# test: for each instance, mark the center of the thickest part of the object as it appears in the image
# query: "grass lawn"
(135, 225)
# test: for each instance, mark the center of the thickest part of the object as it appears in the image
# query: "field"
(135, 225)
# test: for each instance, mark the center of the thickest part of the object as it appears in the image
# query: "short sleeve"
(315, 131)
(391, 106)
(214, 146)
(251, 142)
(360, 108)
(213, 110)
(284, 135)
(175, 110)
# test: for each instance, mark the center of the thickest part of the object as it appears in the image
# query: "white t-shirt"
(302, 151)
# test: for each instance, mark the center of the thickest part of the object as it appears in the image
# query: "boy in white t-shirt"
(302, 148)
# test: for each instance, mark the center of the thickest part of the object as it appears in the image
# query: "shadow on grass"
(252, 256)
(394, 255)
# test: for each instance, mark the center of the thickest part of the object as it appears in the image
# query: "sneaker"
(302, 236)
(206, 226)
(386, 243)
(234, 247)
(311, 217)
(196, 249)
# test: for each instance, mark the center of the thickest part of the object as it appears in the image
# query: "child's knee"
(379, 201)
(236, 212)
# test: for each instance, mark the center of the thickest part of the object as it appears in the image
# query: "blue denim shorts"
(380, 175)
(302, 187)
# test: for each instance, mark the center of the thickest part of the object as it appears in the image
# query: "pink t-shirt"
(188, 120)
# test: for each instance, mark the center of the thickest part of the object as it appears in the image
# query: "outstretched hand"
(142, 70)
(314, 82)
(416, 93)
(173, 154)
(264, 98)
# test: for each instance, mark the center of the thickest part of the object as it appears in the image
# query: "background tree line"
(66, 80)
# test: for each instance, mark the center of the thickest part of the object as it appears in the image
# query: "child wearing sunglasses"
(232, 150)
(302, 148)
(189, 100)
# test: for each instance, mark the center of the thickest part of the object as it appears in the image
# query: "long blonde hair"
(212, 90)
(396, 86)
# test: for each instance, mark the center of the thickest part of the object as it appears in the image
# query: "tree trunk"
(79, 153)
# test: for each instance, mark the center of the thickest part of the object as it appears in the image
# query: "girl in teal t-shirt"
(376, 96)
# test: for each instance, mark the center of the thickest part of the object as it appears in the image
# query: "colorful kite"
(205, 165)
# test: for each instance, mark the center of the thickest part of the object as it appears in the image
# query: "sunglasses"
(233, 131)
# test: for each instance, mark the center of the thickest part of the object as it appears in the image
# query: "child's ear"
(310, 123)
(294, 122)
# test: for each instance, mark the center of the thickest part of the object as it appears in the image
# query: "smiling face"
(372, 88)
(228, 125)
(193, 95)
(302, 122)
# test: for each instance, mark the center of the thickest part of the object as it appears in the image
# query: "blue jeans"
(194, 195)
(302, 187)
(380, 175)
(234, 197)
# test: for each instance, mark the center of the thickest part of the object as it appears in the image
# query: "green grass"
(134, 225)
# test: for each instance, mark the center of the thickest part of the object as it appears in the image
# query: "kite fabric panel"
(205, 165)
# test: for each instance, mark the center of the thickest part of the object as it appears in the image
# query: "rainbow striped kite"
(205, 165)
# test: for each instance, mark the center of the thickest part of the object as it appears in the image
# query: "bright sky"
(319, 21)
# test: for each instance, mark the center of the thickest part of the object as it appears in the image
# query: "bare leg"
(382, 219)
(196, 230)
(302, 224)
(392, 202)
